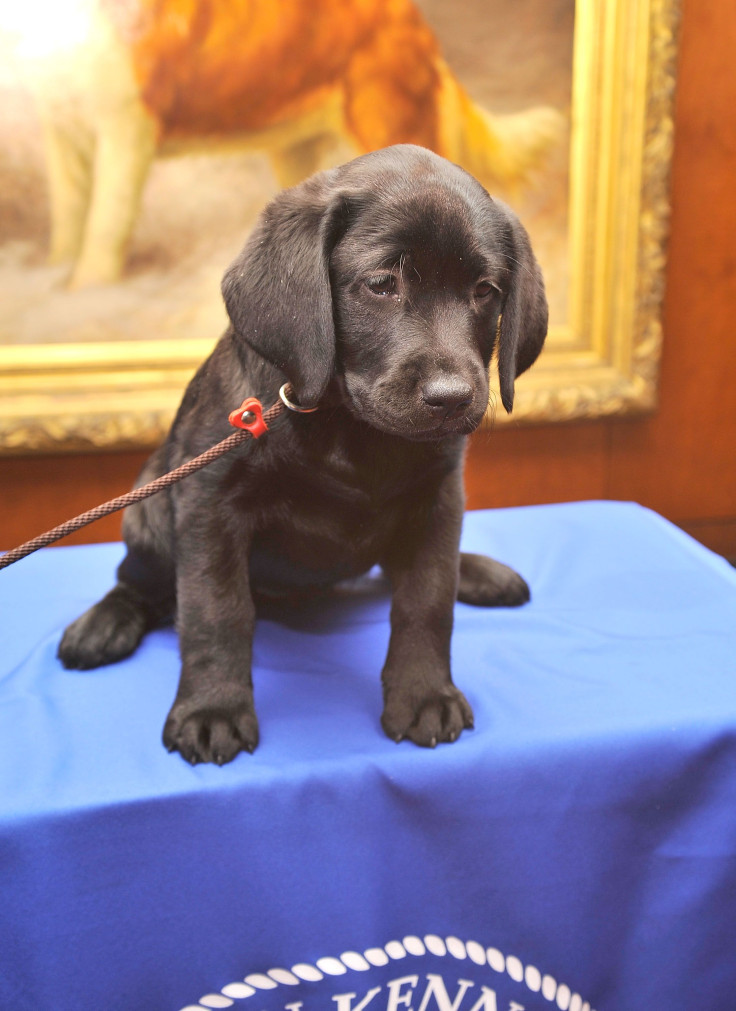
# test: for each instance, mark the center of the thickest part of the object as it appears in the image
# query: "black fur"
(376, 290)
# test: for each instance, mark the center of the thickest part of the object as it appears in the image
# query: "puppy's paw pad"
(211, 733)
(439, 717)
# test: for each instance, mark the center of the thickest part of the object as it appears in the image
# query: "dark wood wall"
(681, 461)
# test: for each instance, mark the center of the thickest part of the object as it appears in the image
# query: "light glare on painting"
(43, 27)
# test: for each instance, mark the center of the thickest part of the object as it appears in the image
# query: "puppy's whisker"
(523, 266)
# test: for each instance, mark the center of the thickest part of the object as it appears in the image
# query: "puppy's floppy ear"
(525, 314)
(277, 291)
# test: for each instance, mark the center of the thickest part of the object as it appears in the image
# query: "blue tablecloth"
(577, 850)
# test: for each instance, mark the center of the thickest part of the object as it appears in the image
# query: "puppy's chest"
(339, 499)
(335, 516)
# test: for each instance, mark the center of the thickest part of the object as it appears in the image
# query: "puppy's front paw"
(429, 719)
(212, 730)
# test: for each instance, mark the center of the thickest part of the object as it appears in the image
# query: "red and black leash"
(250, 420)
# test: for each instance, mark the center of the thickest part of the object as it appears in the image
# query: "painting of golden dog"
(303, 84)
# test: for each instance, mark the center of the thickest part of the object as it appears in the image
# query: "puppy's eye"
(382, 284)
(484, 288)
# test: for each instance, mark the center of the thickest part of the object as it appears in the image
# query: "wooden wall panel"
(39, 492)
(510, 467)
(681, 461)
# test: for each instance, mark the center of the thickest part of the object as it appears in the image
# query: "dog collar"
(283, 395)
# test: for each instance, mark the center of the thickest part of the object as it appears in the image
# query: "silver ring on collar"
(292, 406)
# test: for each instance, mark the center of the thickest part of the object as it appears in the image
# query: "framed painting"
(140, 138)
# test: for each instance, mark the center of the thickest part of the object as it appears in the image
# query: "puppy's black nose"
(447, 395)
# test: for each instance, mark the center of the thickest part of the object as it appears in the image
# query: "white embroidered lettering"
(396, 997)
(437, 989)
(343, 1000)
(486, 1001)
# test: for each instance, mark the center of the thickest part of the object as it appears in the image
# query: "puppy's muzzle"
(447, 396)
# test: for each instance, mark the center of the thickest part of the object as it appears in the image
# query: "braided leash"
(250, 421)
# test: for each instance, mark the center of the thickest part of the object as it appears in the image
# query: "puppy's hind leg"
(487, 583)
(144, 596)
(108, 632)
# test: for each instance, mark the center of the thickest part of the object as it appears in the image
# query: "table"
(577, 850)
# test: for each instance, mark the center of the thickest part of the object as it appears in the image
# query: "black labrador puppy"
(381, 291)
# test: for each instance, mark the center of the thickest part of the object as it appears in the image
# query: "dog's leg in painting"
(125, 146)
(294, 162)
(213, 716)
(421, 702)
(69, 169)
(488, 583)
(144, 595)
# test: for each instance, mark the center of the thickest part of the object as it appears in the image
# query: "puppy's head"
(395, 278)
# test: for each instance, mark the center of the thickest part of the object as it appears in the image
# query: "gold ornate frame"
(604, 361)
